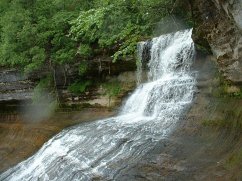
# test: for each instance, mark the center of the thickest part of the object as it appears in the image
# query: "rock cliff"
(16, 87)
(218, 25)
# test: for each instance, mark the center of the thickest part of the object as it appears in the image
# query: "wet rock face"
(219, 26)
(14, 86)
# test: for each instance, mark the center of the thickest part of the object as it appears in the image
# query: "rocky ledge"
(15, 86)
(219, 28)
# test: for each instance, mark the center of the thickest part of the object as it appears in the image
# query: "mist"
(40, 109)
(169, 24)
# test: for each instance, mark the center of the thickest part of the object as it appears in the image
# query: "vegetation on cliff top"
(36, 34)
(42, 32)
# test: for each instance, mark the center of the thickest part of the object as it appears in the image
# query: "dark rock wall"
(15, 86)
(219, 27)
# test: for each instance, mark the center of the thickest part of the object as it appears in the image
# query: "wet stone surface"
(19, 139)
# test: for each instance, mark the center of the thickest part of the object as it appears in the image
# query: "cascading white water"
(102, 148)
(140, 48)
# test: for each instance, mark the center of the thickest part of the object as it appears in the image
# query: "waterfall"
(140, 48)
(101, 149)
(143, 56)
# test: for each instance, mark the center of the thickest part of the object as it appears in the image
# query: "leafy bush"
(82, 68)
(34, 33)
(84, 50)
(118, 25)
(79, 87)
(112, 89)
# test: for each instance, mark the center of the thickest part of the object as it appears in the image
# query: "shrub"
(84, 50)
(79, 87)
(112, 89)
(82, 68)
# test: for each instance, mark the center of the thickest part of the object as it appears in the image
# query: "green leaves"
(79, 87)
(116, 26)
(86, 27)
(84, 50)
(13, 25)
(37, 32)
(38, 58)
(112, 89)
(34, 33)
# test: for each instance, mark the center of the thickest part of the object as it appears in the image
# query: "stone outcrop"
(219, 27)
(15, 86)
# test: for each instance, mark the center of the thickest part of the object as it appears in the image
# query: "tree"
(43, 33)
(117, 26)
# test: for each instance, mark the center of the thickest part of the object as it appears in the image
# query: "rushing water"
(101, 149)
(140, 49)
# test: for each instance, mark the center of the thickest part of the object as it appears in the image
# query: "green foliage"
(14, 25)
(82, 68)
(34, 33)
(44, 32)
(84, 50)
(38, 57)
(112, 89)
(117, 26)
(79, 87)
(89, 22)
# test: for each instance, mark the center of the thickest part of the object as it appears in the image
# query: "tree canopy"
(34, 33)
